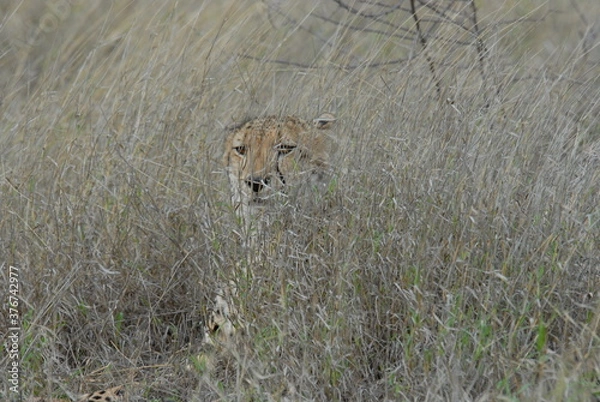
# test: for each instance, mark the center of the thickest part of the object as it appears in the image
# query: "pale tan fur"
(220, 325)
(265, 156)
(114, 394)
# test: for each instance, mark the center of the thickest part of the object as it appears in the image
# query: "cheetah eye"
(284, 149)
(241, 150)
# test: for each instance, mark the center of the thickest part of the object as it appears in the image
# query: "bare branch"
(407, 27)
(363, 29)
(315, 67)
(481, 49)
(362, 14)
(438, 85)
(277, 61)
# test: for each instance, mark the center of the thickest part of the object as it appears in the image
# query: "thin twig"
(423, 41)
(481, 50)
(314, 67)
(362, 14)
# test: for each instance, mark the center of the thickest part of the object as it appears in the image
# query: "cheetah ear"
(324, 121)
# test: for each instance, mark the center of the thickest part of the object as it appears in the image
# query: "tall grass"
(454, 257)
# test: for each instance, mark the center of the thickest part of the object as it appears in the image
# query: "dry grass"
(455, 257)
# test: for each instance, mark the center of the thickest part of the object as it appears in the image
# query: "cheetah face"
(266, 157)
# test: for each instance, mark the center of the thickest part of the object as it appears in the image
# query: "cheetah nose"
(257, 183)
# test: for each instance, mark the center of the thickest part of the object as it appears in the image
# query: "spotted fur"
(266, 156)
(115, 394)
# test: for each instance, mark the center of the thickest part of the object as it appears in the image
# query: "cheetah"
(220, 324)
(267, 157)
(114, 394)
